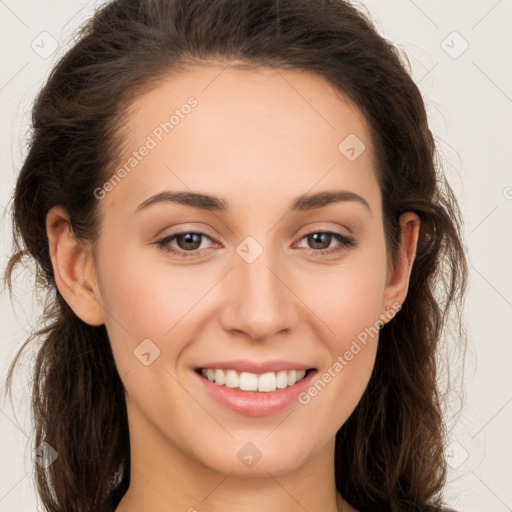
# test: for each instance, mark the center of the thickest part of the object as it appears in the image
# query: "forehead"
(237, 96)
(217, 128)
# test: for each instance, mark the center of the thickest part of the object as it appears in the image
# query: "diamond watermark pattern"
(249, 454)
(45, 455)
(249, 249)
(454, 45)
(146, 352)
(456, 455)
(351, 147)
(44, 45)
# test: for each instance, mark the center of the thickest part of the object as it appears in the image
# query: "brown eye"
(189, 241)
(319, 240)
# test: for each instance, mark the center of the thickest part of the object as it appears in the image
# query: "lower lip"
(255, 403)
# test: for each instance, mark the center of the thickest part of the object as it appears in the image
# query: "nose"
(260, 301)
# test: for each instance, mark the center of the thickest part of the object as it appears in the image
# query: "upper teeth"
(247, 381)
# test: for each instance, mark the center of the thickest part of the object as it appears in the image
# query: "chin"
(255, 459)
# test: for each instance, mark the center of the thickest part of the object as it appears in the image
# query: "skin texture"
(258, 139)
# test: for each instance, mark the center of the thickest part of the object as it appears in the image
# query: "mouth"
(267, 382)
(255, 394)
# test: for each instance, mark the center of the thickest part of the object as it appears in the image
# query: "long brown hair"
(390, 453)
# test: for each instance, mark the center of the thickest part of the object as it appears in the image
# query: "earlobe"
(73, 268)
(398, 278)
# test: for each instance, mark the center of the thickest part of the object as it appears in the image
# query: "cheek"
(350, 307)
(348, 298)
(141, 304)
(349, 301)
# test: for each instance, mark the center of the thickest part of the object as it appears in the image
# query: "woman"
(231, 202)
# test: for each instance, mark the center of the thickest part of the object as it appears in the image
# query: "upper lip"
(245, 365)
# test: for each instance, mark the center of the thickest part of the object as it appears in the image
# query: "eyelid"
(346, 241)
(165, 241)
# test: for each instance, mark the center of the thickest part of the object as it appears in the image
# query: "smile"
(255, 394)
(247, 381)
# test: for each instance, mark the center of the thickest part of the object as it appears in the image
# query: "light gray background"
(469, 99)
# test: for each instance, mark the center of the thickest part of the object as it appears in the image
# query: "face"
(260, 278)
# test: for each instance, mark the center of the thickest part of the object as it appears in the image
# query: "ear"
(397, 282)
(73, 268)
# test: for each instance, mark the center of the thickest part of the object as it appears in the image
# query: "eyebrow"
(207, 202)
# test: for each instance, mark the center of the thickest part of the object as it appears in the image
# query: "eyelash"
(347, 242)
